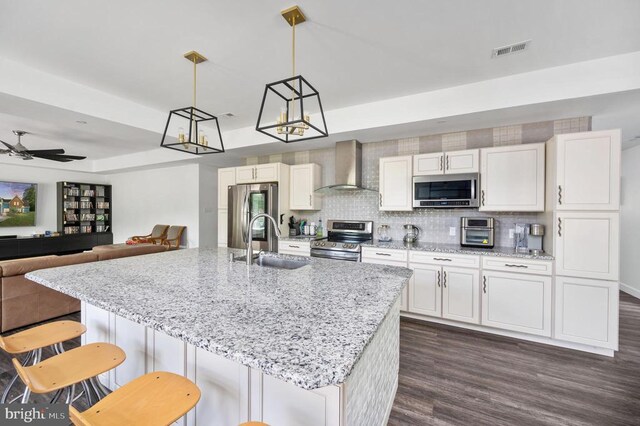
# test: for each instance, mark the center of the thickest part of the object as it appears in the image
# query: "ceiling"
(353, 52)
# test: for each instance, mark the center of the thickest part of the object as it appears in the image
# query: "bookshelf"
(84, 208)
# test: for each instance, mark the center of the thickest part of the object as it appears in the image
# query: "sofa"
(24, 302)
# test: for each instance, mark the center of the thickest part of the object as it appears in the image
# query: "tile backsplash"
(434, 224)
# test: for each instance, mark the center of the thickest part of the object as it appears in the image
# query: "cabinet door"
(223, 225)
(587, 311)
(383, 257)
(587, 245)
(466, 161)
(395, 183)
(168, 354)
(267, 172)
(517, 302)
(425, 291)
(132, 338)
(246, 174)
(98, 325)
(226, 177)
(588, 171)
(428, 164)
(512, 178)
(304, 180)
(461, 294)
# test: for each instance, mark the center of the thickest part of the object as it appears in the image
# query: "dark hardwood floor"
(461, 377)
(450, 376)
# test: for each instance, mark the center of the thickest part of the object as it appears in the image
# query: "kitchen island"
(318, 345)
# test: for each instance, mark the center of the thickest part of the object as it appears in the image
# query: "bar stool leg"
(56, 396)
(7, 390)
(101, 390)
(87, 391)
(72, 390)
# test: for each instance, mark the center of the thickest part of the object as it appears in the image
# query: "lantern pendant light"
(195, 140)
(292, 101)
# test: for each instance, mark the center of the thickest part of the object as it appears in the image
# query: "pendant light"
(188, 135)
(291, 101)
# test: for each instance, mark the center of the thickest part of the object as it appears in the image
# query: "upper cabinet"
(304, 180)
(512, 178)
(446, 162)
(395, 183)
(226, 178)
(259, 173)
(583, 171)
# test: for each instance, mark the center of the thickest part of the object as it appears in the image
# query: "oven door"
(336, 254)
(477, 237)
(446, 191)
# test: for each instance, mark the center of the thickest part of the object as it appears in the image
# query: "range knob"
(322, 244)
(333, 244)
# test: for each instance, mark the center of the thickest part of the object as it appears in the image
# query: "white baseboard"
(635, 292)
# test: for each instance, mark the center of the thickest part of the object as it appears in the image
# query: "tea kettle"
(412, 233)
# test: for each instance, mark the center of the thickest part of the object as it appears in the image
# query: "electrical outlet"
(511, 233)
(452, 231)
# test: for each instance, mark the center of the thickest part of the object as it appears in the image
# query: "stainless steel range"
(344, 239)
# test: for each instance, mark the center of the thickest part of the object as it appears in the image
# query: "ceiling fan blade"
(45, 151)
(55, 157)
(11, 147)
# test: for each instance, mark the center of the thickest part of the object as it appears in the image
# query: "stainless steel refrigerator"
(245, 202)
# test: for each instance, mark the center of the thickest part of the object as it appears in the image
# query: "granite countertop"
(307, 326)
(456, 249)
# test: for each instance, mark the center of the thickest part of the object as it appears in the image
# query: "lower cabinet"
(518, 302)
(586, 311)
(451, 293)
(223, 226)
(296, 248)
(391, 257)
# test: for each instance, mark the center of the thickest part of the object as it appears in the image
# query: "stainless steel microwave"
(446, 191)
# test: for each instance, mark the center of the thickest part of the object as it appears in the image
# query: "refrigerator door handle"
(245, 215)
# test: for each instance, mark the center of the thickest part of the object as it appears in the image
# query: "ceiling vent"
(512, 48)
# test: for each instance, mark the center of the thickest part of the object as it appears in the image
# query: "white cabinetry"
(445, 286)
(259, 173)
(512, 178)
(132, 338)
(395, 183)
(517, 302)
(587, 311)
(446, 162)
(587, 244)
(583, 171)
(296, 248)
(304, 180)
(226, 178)
(391, 258)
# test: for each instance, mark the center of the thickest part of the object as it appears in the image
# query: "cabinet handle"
(559, 194)
(559, 227)
(444, 282)
(515, 266)
(482, 197)
(443, 259)
(381, 199)
(438, 278)
(253, 173)
(310, 200)
(383, 254)
(447, 162)
(441, 161)
(484, 284)
(290, 246)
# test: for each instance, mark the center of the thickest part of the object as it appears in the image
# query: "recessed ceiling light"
(81, 122)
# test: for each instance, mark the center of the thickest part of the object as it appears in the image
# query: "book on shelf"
(71, 217)
(99, 191)
(102, 205)
(87, 216)
(68, 230)
(71, 204)
(86, 205)
(72, 191)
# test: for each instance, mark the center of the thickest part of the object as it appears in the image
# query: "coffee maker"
(528, 238)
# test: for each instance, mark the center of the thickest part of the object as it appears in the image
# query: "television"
(18, 204)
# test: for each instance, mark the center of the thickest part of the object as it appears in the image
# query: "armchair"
(174, 235)
(157, 235)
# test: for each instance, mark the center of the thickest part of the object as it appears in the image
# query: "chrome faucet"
(250, 234)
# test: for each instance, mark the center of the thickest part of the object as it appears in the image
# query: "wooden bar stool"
(32, 341)
(157, 398)
(67, 369)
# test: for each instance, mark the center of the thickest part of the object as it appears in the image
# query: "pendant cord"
(293, 68)
(194, 81)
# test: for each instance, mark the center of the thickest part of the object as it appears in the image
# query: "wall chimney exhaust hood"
(348, 168)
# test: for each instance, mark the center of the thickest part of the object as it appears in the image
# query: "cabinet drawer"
(444, 259)
(301, 248)
(519, 265)
(384, 254)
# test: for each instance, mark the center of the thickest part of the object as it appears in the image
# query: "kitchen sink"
(277, 262)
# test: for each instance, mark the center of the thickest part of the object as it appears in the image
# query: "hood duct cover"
(348, 168)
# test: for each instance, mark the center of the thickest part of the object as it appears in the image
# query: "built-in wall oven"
(446, 191)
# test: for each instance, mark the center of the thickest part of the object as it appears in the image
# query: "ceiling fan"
(18, 150)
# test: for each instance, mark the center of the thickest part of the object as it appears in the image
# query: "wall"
(630, 222)
(46, 216)
(144, 198)
(208, 206)
(435, 224)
